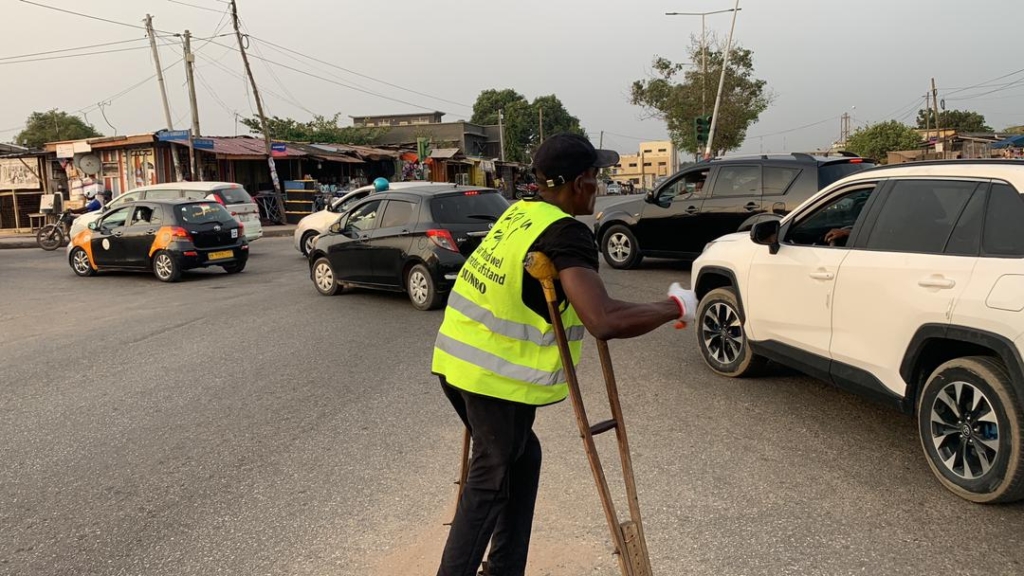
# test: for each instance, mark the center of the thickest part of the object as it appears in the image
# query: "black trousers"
(501, 489)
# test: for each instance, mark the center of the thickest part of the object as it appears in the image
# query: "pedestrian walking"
(496, 354)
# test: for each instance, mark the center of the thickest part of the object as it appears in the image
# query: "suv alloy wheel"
(969, 420)
(720, 336)
(620, 248)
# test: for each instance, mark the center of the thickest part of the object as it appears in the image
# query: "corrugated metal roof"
(243, 146)
(444, 153)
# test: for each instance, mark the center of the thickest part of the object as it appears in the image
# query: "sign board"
(278, 149)
(65, 151)
(169, 135)
(16, 175)
(202, 144)
(81, 147)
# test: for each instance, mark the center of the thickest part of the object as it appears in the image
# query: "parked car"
(412, 240)
(615, 189)
(315, 224)
(233, 196)
(164, 237)
(710, 199)
(904, 284)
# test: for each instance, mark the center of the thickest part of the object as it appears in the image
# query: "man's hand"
(837, 234)
(687, 301)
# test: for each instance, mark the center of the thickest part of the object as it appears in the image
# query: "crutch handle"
(543, 269)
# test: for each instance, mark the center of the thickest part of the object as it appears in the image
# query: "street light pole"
(704, 50)
(721, 84)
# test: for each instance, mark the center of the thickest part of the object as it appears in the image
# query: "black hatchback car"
(710, 199)
(162, 236)
(412, 240)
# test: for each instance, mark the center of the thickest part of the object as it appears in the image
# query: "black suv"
(711, 199)
(162, 236)
(411, 240)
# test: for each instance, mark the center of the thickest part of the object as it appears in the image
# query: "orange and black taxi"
(165, 237)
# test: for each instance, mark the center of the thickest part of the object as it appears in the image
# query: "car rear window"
(202, 212)
(235, 195)
(830, 173)
(471, 207)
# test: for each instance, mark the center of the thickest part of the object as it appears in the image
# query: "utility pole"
(263, 118)
(844, 129)
(540, 122)
(938, 126)
(721, 84)
(189, 60)
(501, 134)
(163, 93)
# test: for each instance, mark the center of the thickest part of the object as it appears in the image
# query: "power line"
(342, 84)
(1014, 73)
(70, 49)
(1006, 86)
(213, 93)
(805, 126)
(193, 5)
(386, 83)
(126, 24)
(74, 55)
(272, 93)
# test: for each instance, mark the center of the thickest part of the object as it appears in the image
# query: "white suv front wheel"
(970, 420)
(720, 336)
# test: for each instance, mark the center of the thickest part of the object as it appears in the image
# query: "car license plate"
(220, 255)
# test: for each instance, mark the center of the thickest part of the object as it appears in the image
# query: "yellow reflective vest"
(490, 342)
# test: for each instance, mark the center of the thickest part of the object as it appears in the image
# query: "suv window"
(124, 198)
(397, 213)
(778, 179)
(468, 208)
(1003, 235)
(234, 195)
(163, 194)
(966, 237)
(364, 217)
(689, 183)
(203, 212)
(833, 172)
(838, 214)
(919, 215)
(738, 181)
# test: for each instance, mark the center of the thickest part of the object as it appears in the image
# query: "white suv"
(901, 283)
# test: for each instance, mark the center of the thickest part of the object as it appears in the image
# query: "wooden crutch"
(628, 536)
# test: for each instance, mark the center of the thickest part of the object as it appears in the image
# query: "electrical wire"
(804, 127)
(1014, 73)
(126, 24)
(268, 91)
(193, 5)
(386, 83)
(213, 93)
(74, 55)
(70, 49)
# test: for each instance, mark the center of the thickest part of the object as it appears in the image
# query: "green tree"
(1015, 130)
(522, 119)
(53, 126)
(320, 129)
(877, 140)
(959, 120)
(678, 97)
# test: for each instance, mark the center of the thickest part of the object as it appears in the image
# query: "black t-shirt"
(569, 243)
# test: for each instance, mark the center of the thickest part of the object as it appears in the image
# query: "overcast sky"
(821, 58)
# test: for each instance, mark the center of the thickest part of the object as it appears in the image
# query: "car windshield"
(236, 195)
(203, 213)
(471, 207)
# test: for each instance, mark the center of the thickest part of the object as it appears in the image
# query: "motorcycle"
(526, 191)
(53, 236)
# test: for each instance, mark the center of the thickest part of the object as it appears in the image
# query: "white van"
(232, 196)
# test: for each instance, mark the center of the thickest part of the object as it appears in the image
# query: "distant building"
(652, 162)
(397, 119)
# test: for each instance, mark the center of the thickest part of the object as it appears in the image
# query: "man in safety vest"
(497, 357)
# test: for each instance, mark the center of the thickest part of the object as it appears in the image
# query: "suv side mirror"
(335, 228)
(766, 233)
(649, 197)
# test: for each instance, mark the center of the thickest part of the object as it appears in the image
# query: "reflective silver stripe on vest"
(496, 364)
(514, 330)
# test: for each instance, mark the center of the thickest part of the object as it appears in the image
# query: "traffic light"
(702, 128)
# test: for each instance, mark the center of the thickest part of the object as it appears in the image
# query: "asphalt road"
(247, 425)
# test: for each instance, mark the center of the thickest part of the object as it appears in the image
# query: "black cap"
(563, 157)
